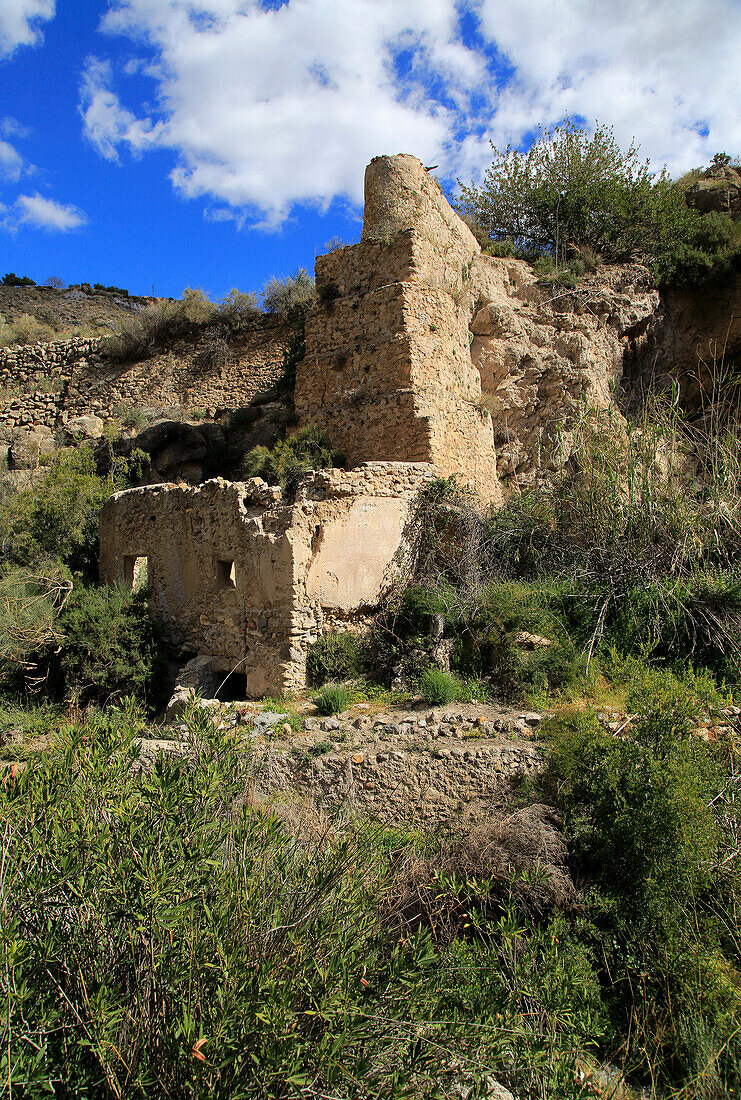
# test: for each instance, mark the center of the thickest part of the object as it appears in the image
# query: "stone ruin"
(424, 357)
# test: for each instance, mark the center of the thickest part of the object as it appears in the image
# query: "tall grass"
(161, 936)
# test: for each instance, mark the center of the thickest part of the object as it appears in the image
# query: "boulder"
(718, 191)
(80, 429)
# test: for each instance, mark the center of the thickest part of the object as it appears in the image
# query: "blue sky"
(215, 143)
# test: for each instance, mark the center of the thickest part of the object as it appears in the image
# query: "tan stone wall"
(43, 385)
(251, 581)
(388, 371)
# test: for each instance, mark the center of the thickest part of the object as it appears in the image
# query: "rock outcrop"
(717, 191)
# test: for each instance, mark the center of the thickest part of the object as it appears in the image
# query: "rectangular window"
(226, 576)
(136, 571)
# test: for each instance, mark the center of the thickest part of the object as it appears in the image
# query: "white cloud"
(665, 72)
(11, 163)
(265, 108)
(19, 22)
(42, 213)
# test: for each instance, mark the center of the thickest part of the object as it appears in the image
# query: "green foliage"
(438, 687)
(289, 299)
(290, 459)
(29, 608)
(237, 960)
(568, 189)
(337, 655)
(112, 646)
(574, 194)
(11, 279)
(57, 518)
(653, 852)
(332, 699)
(702, 249)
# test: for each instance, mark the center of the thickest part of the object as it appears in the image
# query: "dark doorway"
(232, 687)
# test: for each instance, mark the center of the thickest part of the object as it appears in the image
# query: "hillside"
(62, 313)
(370, 665)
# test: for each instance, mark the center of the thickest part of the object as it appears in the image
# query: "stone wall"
(44, 385)
(400, 785)
(250, 580)
(422, 348)
(388, 372)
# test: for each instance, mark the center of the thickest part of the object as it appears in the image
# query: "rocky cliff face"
(718, 190)
(424, 349)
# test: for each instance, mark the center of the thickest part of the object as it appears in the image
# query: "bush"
(652, 857)
(57, 519)
(112, 647)
(289, 299)
(25, 329)
(335, 656)
(238, 309)
(290, 459)
(332, 699)
(11, 279)
(438, 687)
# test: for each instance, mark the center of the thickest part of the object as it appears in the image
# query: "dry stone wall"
(42, 386)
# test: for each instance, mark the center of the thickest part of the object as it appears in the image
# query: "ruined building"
(423, 357)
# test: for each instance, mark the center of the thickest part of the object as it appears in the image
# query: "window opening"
(226, 575)
(136, 571)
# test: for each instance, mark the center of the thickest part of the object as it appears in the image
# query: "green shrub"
(438, 687)
(652, 856)
(57, 519)
(11, 279)
(332, 699)
(112, 646)
(289, 299)
(290, 459)
(337, 655)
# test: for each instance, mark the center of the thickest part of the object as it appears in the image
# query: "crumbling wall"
(42, 386)
(388, 372)
(250, 580)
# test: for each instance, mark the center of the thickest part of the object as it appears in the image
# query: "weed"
(332, 699)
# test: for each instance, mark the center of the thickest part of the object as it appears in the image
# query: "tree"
(55, 282)
(568, 190)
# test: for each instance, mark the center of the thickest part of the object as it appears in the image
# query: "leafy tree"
(573, 192)
(567, 190)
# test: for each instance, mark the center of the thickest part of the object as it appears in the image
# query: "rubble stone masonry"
(44, 385)
(250, 580)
